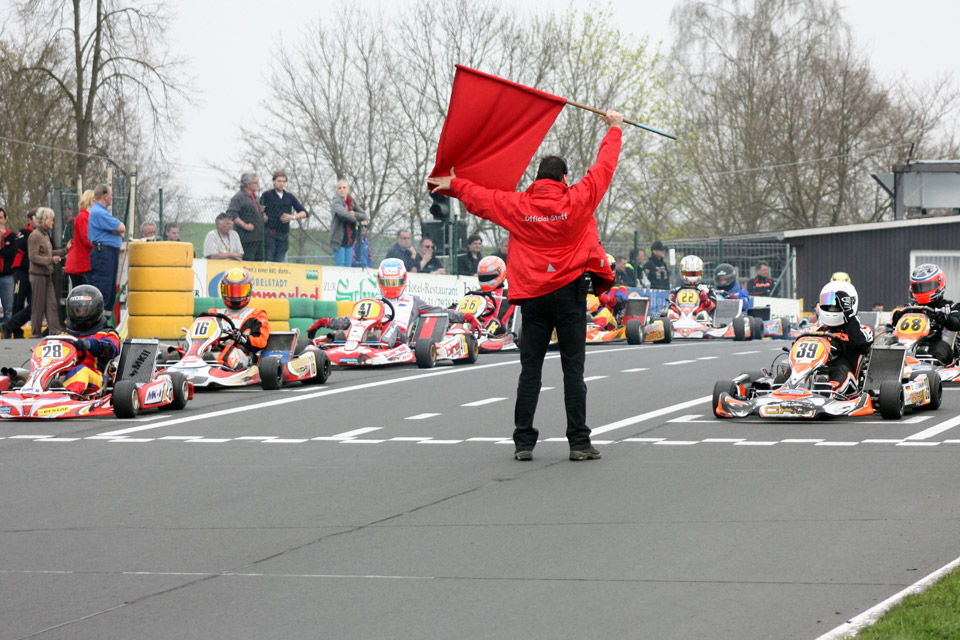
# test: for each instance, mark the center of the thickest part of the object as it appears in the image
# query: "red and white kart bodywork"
(801, 389)
(913, 326)
(286, 358)
(133, 388)
(481, 305)
(433, 340)
(728, 321)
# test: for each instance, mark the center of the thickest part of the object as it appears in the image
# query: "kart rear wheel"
(181, 391)
(891, 400)
(426, 353)
(756, 328)
(271, 373)
(473, 351)
(302, 345)
(784, 327)
(323, 368)
(936, 392)
(722, 386)
(634, 331)
(126, 399)
(739, 329)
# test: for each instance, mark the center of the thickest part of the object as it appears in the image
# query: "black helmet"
(724, 276)
(84, 307)
(657, 246)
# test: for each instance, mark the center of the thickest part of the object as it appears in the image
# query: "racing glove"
(608, 300)
(322, 323)
(472, 320)
(846, 305)
(87, 345)
(243, 340)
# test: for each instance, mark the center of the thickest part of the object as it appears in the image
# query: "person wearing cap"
(656, 268)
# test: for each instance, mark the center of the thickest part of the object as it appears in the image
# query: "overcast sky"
(230, 47)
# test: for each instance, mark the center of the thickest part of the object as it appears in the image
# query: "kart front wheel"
(426, 353)
(181, 390)
(323, 368)
(126, 399)
(739, 329)
(936, 392)
(891, 400)
(634, 331)
(756, 328)
(722, 386)
(667, 331)
(271, 373)
(473, 351)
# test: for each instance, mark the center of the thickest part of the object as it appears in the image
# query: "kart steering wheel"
(388, 306)
(234, 332)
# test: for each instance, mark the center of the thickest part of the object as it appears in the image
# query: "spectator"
(361, 248)
(280, 207)
(635, 266)
(345, 213)
(171, 232)
(248, 219)
(105, 233)
(469, 263)
(77, 265)
(877, 306)
(555, 247)
(426, 261)
(403, 250)
(148, 231)
(21, 281)
(623, 275)
(501, 251)
(222, 242)
(43, 257)
(8, 251)
(761, 285)
(656, 268)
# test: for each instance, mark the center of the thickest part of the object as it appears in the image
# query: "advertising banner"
(352, 284)
(270, 279)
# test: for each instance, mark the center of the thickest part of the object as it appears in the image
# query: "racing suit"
(97, 346)
(707, 297)
(614, 302)
(406, 308)
(254, 331)
(732, 292)
(499, 313)
(941, 342)
(847, 355)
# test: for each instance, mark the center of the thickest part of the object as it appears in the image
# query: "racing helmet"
(236, 287)
(724, 276)
(392, 277)
(828, 309)
(612, 262)
(691, 270)
(491, 272)
(84, 307)
(840, 276)
(927, 283)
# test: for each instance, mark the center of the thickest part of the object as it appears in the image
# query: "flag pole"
(636, 124)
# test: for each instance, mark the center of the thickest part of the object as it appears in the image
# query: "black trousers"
(565, 311)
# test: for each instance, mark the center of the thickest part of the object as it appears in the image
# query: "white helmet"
(691, 270)
(828, 309)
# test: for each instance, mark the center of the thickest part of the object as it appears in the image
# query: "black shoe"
(587, 453)
(523, 455)
(5, 332)
(18, 333)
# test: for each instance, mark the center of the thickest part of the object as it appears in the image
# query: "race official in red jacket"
(553, 244)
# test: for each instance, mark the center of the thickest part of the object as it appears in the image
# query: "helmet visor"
(236, 290)
(487, 277)
(392, 282)
(829, 302)
(924, 287)
(692, 274)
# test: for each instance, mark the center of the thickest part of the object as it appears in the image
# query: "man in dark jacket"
(21, 282)
(248, 217)
(761, 285)
(656, 268)
(554, 244)
(279, 207)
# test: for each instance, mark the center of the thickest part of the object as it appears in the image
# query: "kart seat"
(726, 311)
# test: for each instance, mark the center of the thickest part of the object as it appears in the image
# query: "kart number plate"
(687, 296)
(472, 304)
(202, 328)
(913, 324)
(49, 350)
(787, 410)
(806, 351)
(366, 309)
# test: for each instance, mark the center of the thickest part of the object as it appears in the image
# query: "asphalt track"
(386, 504)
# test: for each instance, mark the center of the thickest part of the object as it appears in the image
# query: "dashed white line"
(650, 415)
(592, 378)
(744, 353)
(480, 403)
(636, 370)
(708, 358)
(356, 432)
(669, 364)
(422, 416)
(935, 429)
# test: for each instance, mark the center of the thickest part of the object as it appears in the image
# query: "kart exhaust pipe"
(14, 373)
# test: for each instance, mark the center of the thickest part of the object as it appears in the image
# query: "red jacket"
(78, 260)
(553, 232)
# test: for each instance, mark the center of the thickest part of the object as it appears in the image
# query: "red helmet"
(236, 287)
(927, 283)
(491, 272)
(392, 277)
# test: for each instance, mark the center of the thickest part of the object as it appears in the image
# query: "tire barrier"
(160, 284)
(161, 254)
(161, 279)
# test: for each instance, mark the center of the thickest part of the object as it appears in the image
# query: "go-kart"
(915, 324)
(638, 328)
(433, 339)
(800, 388)
(481, 305)
(284, 359)
(130, 387)
(728, 320)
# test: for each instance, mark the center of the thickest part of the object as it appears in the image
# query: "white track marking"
(853, 626)
(836, 444)
(638, 369)
(422, 416)
(542, 389)
(670, 364)
(592, 378)
(724, 440)
(935, 429)
(480, 403)
(708, 358)
(355, 432)
(689, 418)
(626, 422)
(743, 353)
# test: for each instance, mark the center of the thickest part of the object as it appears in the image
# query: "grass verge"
(931, 615)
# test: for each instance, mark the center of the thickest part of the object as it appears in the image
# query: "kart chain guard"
(636, 308)
(138, 357)
(886, 363)
(726, 311)
(281, 344)
(433, 326)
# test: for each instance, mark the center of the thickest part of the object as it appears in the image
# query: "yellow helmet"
(840, 276)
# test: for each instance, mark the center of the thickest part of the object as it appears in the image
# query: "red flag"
(493, 128)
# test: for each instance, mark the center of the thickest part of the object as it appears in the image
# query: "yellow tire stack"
(160, 285)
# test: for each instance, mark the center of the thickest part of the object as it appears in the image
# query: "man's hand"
(442, 183)
(846, 304)
(613, 118)
(322, 323)
(286, 217)
(243, 340)
(471, 319)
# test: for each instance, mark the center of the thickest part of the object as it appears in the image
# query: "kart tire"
(784, 327)
(756, 328)
(181, 391)
(936, 393)
(426, 353)
(722, 386)
(126, 399)
(302, 345)
(891, 400)
(473, 349)
(634, 331)
(323, 368)
(667, 331)
(271, 373)
(739, 329)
